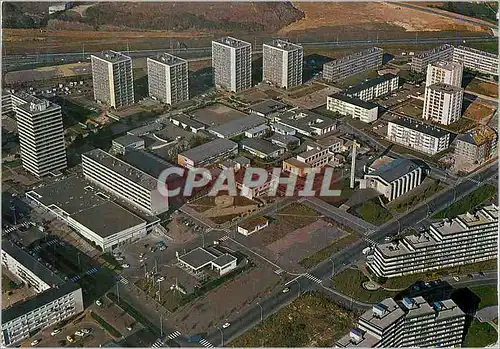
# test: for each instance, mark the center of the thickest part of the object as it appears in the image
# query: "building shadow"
(467, 77)
(313, 65)
(467, 101)
(200, 81)
(386, 58)
(257, 71)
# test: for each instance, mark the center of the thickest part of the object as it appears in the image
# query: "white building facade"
(446, 72)
(41, 136)
(415, 134)
(468, 238)
(232, 64)
(168, 78)
(443, 103)
(113, 79)
(474, 59)
(374, 88)
(410, 322)
(123, 180)
(353, 107)
(282, 63)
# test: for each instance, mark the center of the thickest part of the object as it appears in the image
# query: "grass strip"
(105, 325)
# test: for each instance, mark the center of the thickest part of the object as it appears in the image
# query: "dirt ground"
(338, 14)
(314, 98)
(223, 208)
(479, 112)
(230, 299)
(484, 88)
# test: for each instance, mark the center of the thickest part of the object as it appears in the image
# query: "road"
(324, 270)
(18, 60)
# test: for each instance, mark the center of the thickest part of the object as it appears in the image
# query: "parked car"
(125, 265)
(98, 303)
(55, 331)
(456, 278)
(226, 325)
(79, 334)
(286, 290)
(160, 279)
(86, 330)
(70, 339)
(35, 342)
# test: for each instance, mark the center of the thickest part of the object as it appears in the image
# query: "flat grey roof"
(257, 129)
(442, 87)
(146, 162)
(209, 149)
(107, 219)
(198, 258)
(184, 119)
(420, 126)
(167, 59)
(143, 130)
(224, 260)
(268, 106)
(283, 45)
(370, 83)
(283, 139)
(260, 145)
(37, 301)
(30, 263)
(395, 169)
(69, 195)
(127, 140)
(242, 160)
(232, 42)
(238, 126)
(121, 167)
(38, 105)
(354, 101)
(393, 312)
(305, 120)
(112, 56)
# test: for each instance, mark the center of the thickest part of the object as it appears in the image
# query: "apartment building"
(394, 177)
(6, 103)
(443, 103)
(113, 79)
(467, 238)
(445, 72)
(476, 146)
(374, 88)
(421, 60)
(208, 154)
(352, 64)
(304, 122)
(353, 107)
(41, 136)
(282, 63)
(415, 134)
(410, 322)
(54, 301)
(128, 182)
(232, 64)
(316, 155)
(474, 59)
(168, 78)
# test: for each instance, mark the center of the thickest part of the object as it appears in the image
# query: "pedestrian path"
(174, 335)
(206, 343)
(313, 278)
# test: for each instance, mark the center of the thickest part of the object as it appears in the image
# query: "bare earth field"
(484, 88)
(479, 112)
(327, 14)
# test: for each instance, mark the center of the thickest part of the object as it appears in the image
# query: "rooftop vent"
(379, 310)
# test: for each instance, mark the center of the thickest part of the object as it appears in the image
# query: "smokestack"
(353, 163)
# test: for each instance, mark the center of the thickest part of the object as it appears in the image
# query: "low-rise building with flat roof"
(257, 131)
(418, 135)
(236, 127)
(467, 238)
(208, 154)
(55, 299)
(353, 107)
(267, 108)
(253, 225)
(255, 190)
(184, 121)
(196, 260)
(261, 148)
(125, 143)
(306, 122)
(284, 141)
(410, 322)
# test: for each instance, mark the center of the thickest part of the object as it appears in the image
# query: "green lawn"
(105, 325)
(487, 293)
(312, 320)
(479, 335)
(323, 254)
(416, 199)
(350, 282)
(372, 212)
(468, 202)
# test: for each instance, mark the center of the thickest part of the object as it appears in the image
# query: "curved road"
(323, 270)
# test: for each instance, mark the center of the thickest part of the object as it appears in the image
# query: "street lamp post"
(261, 312)
(222, 336)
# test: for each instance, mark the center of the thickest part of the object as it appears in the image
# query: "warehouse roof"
(184, 119)
(267, 107)
(260, 145)
(237, 127)
(210, 149)
(198, 258)
(127, 140)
